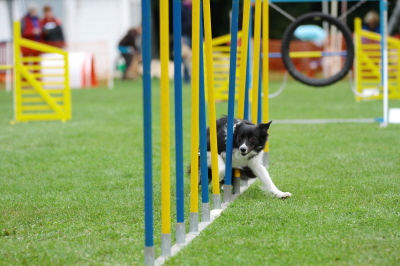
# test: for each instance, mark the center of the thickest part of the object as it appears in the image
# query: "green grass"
(71, 194)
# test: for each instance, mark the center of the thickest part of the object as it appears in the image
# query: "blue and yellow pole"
(205, 211)
(248, 74)
(211, 104)
(248, 80)
(165, 129)
(194, 173)
(244, 62)
(259, 89)
(147, 132)
(256, 61)
(231, 101)
(265, 73)
(180, 212)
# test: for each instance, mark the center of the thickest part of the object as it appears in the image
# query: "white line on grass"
(203, 225)
(324, 121)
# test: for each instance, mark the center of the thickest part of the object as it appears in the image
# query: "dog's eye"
(240, 139)
(251, 139)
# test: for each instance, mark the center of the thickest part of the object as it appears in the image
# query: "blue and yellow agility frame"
(201, 10)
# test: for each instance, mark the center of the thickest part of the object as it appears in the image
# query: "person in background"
(51, 28)
(30, 25)
(31, 30)
(187, 39)
(128, 47)
(371, 22)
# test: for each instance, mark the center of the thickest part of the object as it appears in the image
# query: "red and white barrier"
(81, 69)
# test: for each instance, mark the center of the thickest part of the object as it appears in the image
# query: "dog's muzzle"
(243, 150)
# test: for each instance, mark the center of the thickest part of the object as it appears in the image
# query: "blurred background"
(97, 26)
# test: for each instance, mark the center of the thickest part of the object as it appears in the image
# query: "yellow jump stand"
(41, 89)
(367, 65)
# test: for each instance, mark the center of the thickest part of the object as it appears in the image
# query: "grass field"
(72, 194)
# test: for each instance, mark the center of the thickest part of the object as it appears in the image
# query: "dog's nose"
(243, 150)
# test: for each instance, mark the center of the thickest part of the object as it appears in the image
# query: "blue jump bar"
(147, 130)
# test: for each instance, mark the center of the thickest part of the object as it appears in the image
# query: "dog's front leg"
(262, 173)
(221, 168)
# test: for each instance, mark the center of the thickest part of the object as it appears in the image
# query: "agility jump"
(41, 84)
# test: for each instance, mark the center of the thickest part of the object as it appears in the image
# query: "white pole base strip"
(166, 245)
(245, 180)
(149, 256)
(265, 159)
(180, 233)
(194, 222)
(216, 201)
(227, 193)
(236, 184)
(214, 214)
(205, 212)
(383, 124)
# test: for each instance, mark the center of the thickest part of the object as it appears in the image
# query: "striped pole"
(256, 60)
(265, 69)
(194, 173)
(165, 129)
(211, 104)
(205, 211)
(231, 101)
(180, 213)
(147, 131)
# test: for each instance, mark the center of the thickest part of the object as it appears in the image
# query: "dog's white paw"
(283, 195)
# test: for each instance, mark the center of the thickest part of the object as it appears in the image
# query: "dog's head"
(250, 137)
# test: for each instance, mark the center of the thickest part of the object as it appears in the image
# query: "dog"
(248, 144)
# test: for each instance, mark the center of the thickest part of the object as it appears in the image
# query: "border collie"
(248, 144)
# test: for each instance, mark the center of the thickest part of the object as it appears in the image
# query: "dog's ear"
(265, 126)
(236, 127)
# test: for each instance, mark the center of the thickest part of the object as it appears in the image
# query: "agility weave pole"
(165, 137)
(180, 210)
(231, 102)
(147, 131)
(211, 104)
(198, 126)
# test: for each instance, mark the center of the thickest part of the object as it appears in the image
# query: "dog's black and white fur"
(248, 144)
